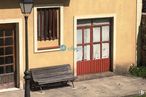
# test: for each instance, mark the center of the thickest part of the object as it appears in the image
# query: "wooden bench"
(49, 75)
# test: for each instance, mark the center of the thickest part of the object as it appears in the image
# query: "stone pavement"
(113, 86)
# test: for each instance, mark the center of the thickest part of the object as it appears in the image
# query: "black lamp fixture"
(26, 8)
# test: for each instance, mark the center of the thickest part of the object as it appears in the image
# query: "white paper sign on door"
(79, 53)
(105, 50)
(96, 51)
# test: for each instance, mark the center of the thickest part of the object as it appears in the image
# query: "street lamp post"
(26, 7)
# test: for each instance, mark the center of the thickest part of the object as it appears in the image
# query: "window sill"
(47, 50)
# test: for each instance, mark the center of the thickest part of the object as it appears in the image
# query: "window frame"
(35, 30)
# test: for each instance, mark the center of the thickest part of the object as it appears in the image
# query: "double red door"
(93, 46)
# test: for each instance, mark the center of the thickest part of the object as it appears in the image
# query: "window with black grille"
(48, 28)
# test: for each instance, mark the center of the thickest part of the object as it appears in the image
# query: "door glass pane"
(1, 42)
(79, 36)
(105, 50)
(9, 50)
(100, 21)
(105, 33)
(96, 51)
(1, 70)
(79, 53)
(84, 22)
(8, 33)
(1, 51)
(9, 41)
(9, 69)
(87, 52)
(9, 60)
(1, 33)
(96, 34)
(1, 60)
(87, 35)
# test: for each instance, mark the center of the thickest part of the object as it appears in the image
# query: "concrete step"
(94, 76)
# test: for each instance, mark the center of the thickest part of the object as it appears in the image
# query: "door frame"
(19, 47)
(113, 36)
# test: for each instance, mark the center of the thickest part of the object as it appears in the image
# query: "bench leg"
(72, 83)
(41, 89)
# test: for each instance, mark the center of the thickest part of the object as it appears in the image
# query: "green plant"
(142, 72)
(134, 70)
(138, 71)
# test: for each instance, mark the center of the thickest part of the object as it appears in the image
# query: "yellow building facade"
(118, 17)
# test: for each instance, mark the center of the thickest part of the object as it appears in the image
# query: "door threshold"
(9, 89)
(94, 76)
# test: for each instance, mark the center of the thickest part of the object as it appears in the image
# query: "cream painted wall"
(125, 11)
(125, 34)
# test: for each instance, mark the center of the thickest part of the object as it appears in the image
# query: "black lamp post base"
(27, 83)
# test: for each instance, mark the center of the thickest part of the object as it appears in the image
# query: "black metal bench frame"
(49, 75)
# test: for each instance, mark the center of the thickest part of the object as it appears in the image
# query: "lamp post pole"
(27, 72)
(26, 7)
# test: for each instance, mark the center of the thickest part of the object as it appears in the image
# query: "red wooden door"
(93, 46)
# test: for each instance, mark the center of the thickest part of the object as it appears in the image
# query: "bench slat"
(51, 69)
(39, 76)
(56, 79)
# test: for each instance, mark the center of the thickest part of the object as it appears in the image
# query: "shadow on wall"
(139, 45)
(53, 2)
(10, 4)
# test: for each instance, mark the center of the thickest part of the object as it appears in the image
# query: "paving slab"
(113, 86)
